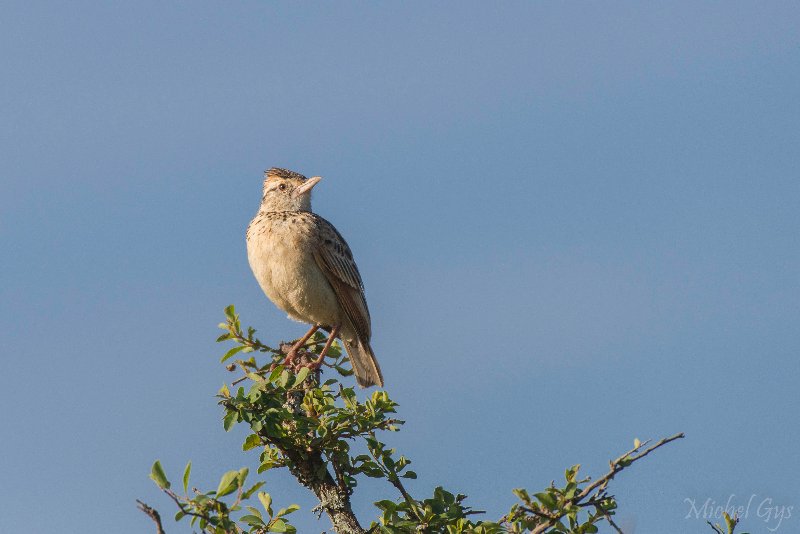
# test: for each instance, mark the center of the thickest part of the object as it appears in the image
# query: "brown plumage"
(306, 268)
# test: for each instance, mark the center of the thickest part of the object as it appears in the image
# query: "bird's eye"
(282, 187)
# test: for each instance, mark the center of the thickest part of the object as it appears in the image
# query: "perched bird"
(306, 268)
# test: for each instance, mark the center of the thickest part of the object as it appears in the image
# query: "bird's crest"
(276, 172)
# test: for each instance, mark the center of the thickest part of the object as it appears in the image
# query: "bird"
(305, 267)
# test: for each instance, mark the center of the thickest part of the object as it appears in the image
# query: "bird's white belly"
(288, 273)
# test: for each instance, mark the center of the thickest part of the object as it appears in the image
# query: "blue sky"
(577, 224)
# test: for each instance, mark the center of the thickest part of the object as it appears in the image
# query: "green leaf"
(349, 398)
(252, 520)
(253, 488)
(335, 349)
(251, 442)
(522, 493)
(243, 472)
(266, 466)
(231, 353)
(546, 499)
(342, 371)
(386, 505)
(229, 420)
(255, 511)
(273, 376)
(301, 375)
(409, 474)
(284, 378)
(279, 525)
(158, 475)
(569, 474)
(230, 312)
(255, 377)
(288, 510)
(228, 483)
(266, 502)
(186, 476)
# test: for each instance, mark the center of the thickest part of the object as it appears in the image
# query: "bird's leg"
(292, 354)
(318, 362)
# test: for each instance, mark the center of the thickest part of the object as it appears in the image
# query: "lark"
(306, 268)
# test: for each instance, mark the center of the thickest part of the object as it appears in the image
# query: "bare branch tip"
(153, 514)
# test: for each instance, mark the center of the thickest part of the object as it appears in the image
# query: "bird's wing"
(335, 259)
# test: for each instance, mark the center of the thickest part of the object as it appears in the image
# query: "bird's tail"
(365, 366)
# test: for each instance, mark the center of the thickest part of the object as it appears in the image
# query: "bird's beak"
(307, 185)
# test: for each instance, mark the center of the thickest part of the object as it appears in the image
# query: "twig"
(254, 344)
(239, 380)
(610, 521)
(539, 513)
(601, 483)
(394, 480)
(616, 465)
(153, 514)
(172, 495)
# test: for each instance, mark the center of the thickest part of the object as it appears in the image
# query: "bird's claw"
(287, 362)
(313, 365)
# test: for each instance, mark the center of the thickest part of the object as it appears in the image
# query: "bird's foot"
(313, 365)
(288, 362)
(290, 358)
(292, 353)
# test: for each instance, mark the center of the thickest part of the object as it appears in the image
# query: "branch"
(600, 486)
(153, 514)
(311, 470)
(394, 480)
(618, 465)
(304, 425)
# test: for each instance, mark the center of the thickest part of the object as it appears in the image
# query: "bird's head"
(286, 190)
